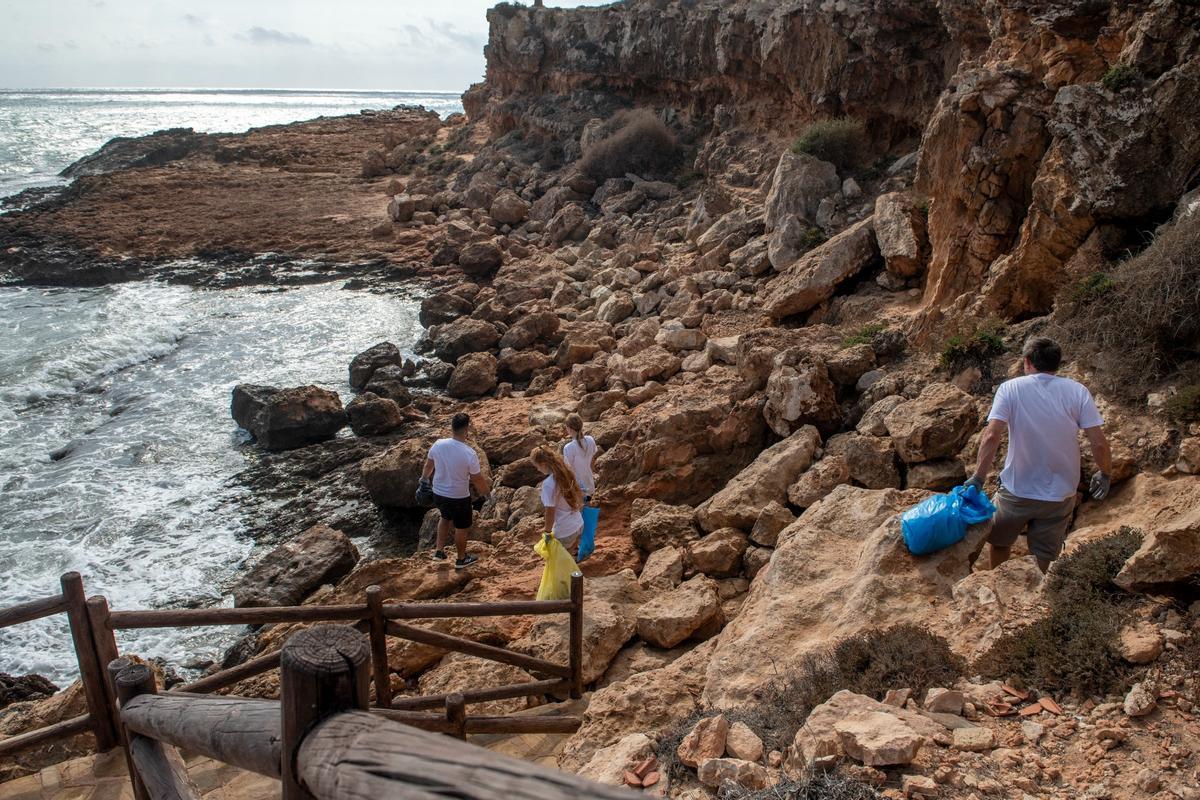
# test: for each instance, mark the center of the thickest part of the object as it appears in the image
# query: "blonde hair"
(564, 478)
(574, 423)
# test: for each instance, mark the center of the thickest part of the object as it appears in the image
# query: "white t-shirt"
(567, 521)
(454, 463)
(579, 459)
(1044, 414)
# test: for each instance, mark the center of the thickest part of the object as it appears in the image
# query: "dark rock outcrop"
(292, 571)
(284, 419)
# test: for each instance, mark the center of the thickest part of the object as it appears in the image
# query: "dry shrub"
(1141, 318)
(818, 786)
(639, 143)
(842, 142)
(1075, 647)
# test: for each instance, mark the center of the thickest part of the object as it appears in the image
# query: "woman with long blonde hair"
(580, 455)
(561, 497)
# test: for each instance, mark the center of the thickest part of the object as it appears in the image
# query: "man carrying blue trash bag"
(1042, 414)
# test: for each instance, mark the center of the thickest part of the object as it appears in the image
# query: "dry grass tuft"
(640, 143)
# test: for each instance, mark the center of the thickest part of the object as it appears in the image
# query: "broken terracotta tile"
(631, 779)
(999, 708)
(651, 779)
(1020, 694)
(1051, 705)
(1030, 710)
(645, 767)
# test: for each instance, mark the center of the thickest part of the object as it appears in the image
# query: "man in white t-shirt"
(1042, 414)
(454, 467)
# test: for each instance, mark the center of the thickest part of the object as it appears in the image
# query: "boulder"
(799, 185)
(474, 375)
(719, 554)
(295, 569)
(389, 382)
(609, 764)
(974, 740)
(372, 415)
(818, 481)
(878, 739)
(771, 520)
(716, 771)
(612, 603)
(365, 363)
(401, 207)
(284, 419)
(813, 278)
(520, 365)
(653, 363)
(616, 308)
(1140, 643)
(871, 460)
(937, 476)
(705, 740)
(506, 446)
(754, 559)
(529, 329)
(1189, 456)
(935, 424)
(873, 421)
(23, 688)
(508, 208)
(654, 525)
(742, 743)
(841, 567)
(464, 335)
(438, 309)
(675, 337)
(391, 477)
(671, 617)
(569, 224)
(801, 394)
(663, 569)
(1140, 701)
(900, 234)
(943, 701)
(767, 479)
(458, 672)
(1169, 554)
(849, 364)
(480, 258)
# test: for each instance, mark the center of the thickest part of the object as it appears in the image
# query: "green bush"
(1184, 405)
(1120, 77)
(842, 142)
(640, 143)
(976, 349)
(864, 335)
(1075, 647)
(1093, 287)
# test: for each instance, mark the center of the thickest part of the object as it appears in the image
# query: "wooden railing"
(319, 739)
(94, 626)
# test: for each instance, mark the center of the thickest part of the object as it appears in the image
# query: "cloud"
(194, 20)
(260, 35)
(45, 47)
(453, 35)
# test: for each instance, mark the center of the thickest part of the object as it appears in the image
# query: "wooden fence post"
(379, 656)
(576, 635)
(456, 714)
(322, 671)
(105, 644)
(159, 771)
(114, 669)
(91, 668)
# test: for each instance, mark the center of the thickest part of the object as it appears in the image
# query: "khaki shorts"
(1045, 522)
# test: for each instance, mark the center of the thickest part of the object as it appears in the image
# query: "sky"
(326, 44)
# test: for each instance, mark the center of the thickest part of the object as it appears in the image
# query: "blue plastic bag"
(941, 520)
(587, 539)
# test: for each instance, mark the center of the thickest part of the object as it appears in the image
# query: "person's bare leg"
(460, 541)
(998, 555)
(443, 533)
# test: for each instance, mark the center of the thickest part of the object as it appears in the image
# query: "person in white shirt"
(580, 455)
(561, 497)
(1042, 414)
(454, 468)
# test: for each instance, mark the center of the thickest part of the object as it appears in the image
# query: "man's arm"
(1102, 454)
(989, 446)
(481, 484)
(427, 473)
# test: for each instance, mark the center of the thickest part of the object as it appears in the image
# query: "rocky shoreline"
(781, 334)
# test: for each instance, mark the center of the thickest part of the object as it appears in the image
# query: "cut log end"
(325, 650)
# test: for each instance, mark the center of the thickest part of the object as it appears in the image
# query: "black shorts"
(456, 509)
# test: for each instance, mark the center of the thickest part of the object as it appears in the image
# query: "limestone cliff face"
(775, 63)
(1024, 152)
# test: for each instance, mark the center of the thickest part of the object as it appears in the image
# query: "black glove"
(424, 495)
(1100, 486)
(975, 481)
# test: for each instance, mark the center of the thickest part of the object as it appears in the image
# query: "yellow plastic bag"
(556, 577)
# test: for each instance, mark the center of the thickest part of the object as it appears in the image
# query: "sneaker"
(439, 555)
(463, 563)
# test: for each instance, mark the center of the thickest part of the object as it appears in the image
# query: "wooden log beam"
(59, 730)
(244, 733)
(32, 609)
(456, 644)
(529, 689)
(115, 668)
(157, 769)
(438, 723)
(512, 608)
(190, 617)
(575, 643)
(358, 756)
(381, 675)
(228, 677)
(323, 671)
